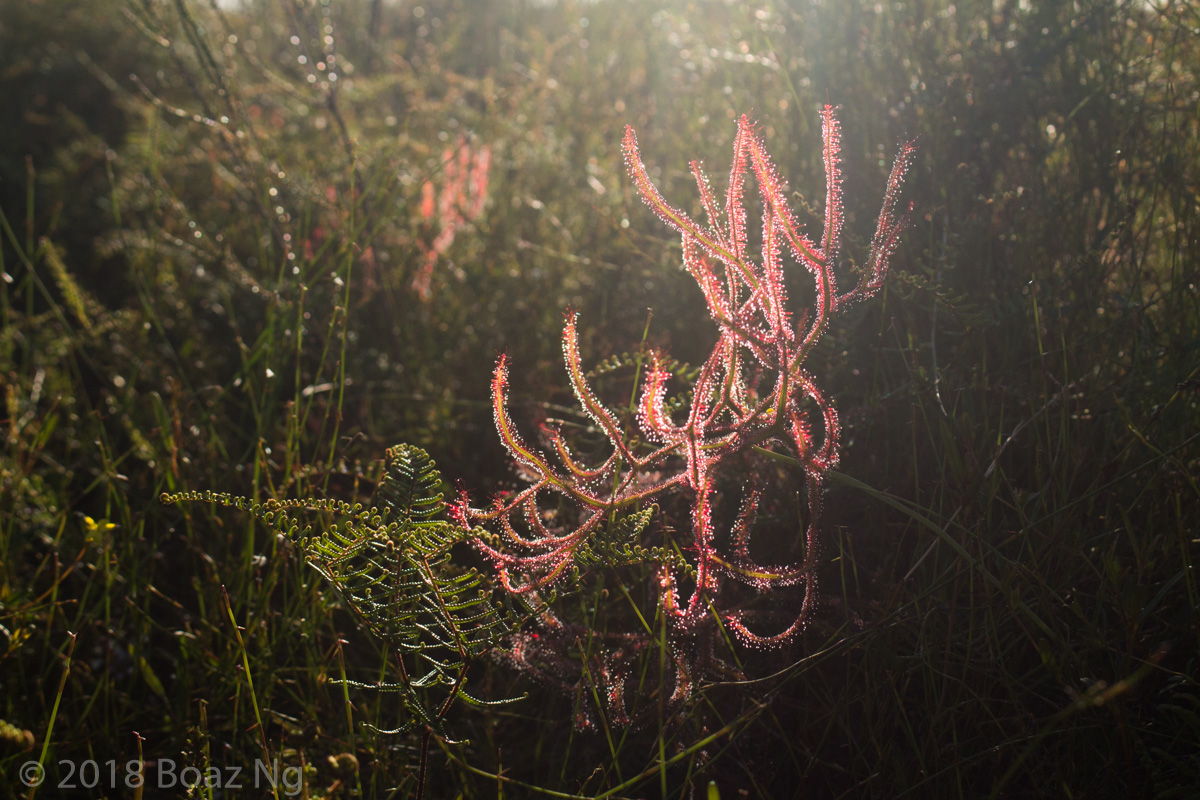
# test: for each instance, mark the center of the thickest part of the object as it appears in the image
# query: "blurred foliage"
(208, 247)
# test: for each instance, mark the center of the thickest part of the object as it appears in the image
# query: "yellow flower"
(102, 525)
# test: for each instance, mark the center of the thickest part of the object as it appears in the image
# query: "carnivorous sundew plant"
(674, 498)
(464, 183)
(752, 399)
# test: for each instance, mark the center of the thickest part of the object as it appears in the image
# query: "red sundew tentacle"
(460, 509)
(702, 535)
(717, 379)
(582, 532)
(625, 478)
(613, 675)
(506, 581)
(652, 416)
(697, 462)
(507, 528)
(824, 457)
(808, 604)
(545, 568)
(881, 253)
(829, 452)
(583, 392)
(772, 276)
(554, 570)
(428, 200)
(686, 616)
(655, 459)
(742, 567)
(499, 558)
(762, 577)
(751, 639)
(504, 426)
(462, 176)
(735, 209)
(505, 504)
(745, 331)
(817, 459)
(801, 433)
(773, 292)
(695, 262)
(534, 520)
(773, 191)
(713, 410)
(780, 397)
(694, 441)
(684, 684)
(709, 201)
(522, 453)
(681, 616)
(734, 436)
(678, 220)
(574, 537)
(887, 232)
(803, 250)
(578, 471)
(733, 390)
(831, 135)
(668, 592)
(745, 521)
(672, 216)
(628, 497)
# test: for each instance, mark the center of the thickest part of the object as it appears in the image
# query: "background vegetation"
(208, 250)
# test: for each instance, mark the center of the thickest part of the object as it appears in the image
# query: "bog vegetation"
(267, 255)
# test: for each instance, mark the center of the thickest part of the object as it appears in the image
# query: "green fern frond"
(481, 703)
(681, 370)
(390, 564)
(411, 487)
(621, 546)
